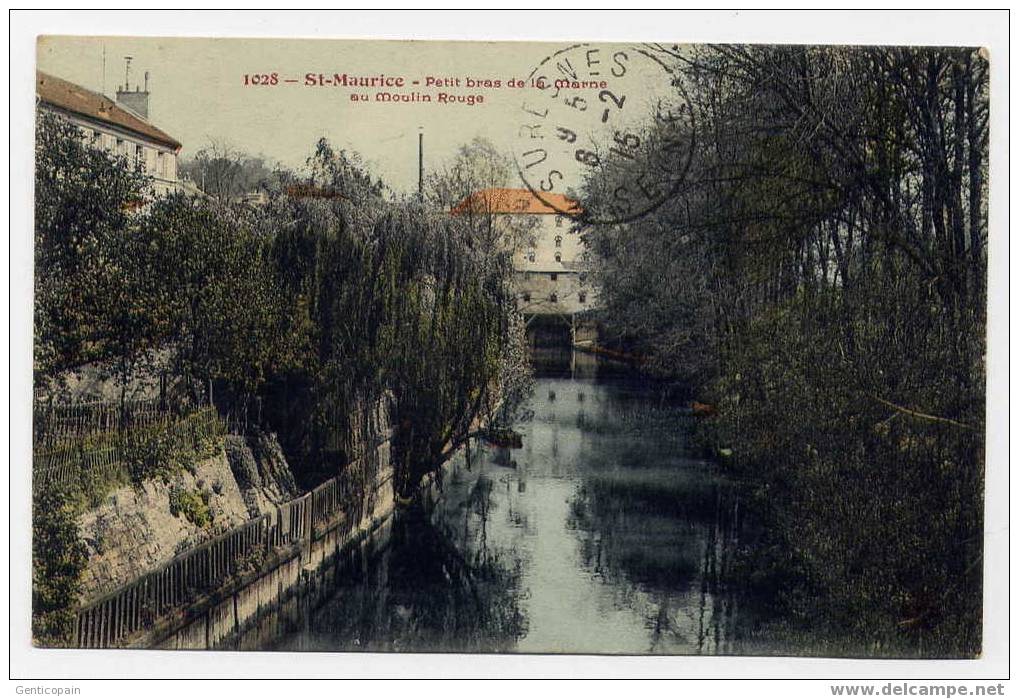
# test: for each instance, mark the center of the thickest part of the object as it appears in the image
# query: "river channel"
(603, 534)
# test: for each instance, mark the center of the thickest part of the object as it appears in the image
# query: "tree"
(224, 172)
(399, 301)
(212, 291)
(464, 185)
(84, 214)
(820, 277)
(58, 560)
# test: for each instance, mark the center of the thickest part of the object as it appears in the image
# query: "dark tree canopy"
(820, 276)
(330, 297)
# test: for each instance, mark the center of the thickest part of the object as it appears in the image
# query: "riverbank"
(137, 595)
(138, 528)
(283, 321)
(240, 615)
(603, 534)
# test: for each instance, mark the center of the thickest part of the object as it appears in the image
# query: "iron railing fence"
(56, 422)
(343, 501)
(105, 458)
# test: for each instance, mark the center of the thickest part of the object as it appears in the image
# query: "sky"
(198, 94)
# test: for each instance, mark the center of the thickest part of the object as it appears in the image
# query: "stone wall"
(252, 616)
(238, 617)
(134, 532)
(134, 529)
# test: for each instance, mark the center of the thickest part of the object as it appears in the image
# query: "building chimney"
(421, 164)
(136, 100)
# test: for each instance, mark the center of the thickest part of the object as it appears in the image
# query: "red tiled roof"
(516, 201)
(75, 98)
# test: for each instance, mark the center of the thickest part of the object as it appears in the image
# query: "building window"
(530, 256)
(558, 241)
(120, 147)
(558, 221)
(558, 257)
(553, 297)
(582, 297)
(139, 157)
(554, 276)
(583, 277)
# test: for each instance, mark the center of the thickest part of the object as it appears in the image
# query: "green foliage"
(320, 302)
(108, 460)
(224, 173)
(250, 563)
(390, 299)
(820, 279)
(58, 561)
(876, 512)
(152, 453)
(59, 556)
(315, 306)
(192, 504)
(163, 450)
(213, 294)
(84, 307)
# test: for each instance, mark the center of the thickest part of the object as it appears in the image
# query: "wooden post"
(573, 345)
(101, 626)
(308, 523)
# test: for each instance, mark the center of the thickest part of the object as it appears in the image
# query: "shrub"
(193, 504)
(58, 560)
(163, 450)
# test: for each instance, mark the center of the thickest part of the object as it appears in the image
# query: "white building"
(120, 127)
(550, 268)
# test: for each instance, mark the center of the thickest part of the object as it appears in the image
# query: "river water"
(603, 534)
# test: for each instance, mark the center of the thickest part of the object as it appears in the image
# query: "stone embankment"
(138, 528)
(194, 559)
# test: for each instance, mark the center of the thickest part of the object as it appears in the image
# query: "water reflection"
(422, 593)
(603, 534)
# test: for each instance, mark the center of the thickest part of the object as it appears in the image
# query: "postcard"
(510, 347)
